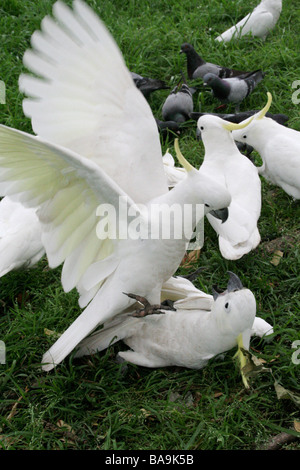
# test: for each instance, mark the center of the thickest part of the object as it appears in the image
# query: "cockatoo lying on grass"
(201, 327)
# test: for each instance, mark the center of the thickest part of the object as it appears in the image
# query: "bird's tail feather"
(113, 332)
(87, 322)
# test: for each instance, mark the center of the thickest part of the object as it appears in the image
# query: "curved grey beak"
(221, 214)
(234, 282)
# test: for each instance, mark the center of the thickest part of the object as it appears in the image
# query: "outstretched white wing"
(83, 98)
(68, 189)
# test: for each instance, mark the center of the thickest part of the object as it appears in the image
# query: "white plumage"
(97, 143)
(223, 161)
(202, 327)
(258, 23)
(20, 236)
(279, 148)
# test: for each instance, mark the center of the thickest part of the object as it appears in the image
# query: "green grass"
(90, 403)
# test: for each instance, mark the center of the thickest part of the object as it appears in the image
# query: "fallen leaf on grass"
(254, 366)
(297, 426)
(190, 258)
(51, 333)
(276, 257)
(284, 394)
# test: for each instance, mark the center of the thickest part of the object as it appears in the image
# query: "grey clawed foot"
(147, 308)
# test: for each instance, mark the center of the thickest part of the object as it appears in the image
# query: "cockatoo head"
(215, 131)
(234, 309)
(255, 127)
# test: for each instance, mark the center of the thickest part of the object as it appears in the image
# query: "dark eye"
(226, 305)
(244, 137)
(206, 205)
(201, 128)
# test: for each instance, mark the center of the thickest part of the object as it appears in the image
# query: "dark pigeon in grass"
(179, 104)
(168, 129)
(148, 85)
(197, 67)
(235, 89)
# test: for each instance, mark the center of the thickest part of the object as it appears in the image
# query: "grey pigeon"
(148, 85)
(198, 67)
(235, 89)
(179, 104)
(168, 128)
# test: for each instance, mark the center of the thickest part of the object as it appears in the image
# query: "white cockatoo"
(173, 173)
(96, 159)
(21, 244)
(223, 161)
(200, 327)
(258, 23)
(279, 148)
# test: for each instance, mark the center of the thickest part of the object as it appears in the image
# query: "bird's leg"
(147, 308)
(222, 106)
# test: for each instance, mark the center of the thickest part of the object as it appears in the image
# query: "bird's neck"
(193, 61)
(221, 89)
(218, 149)
(181, 201)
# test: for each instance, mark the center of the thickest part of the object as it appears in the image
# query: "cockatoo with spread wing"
(258, 23)
(279, 148)
(96, 159)
(200, 327)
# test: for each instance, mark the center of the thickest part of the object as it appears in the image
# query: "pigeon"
(97, 178)
(258, 23)
(233, 90)
(148, 85)
(179, 104)
(198, 67)
(21, 244)
(279, 148)
(168, 129)
(222, 160)
(200, 327)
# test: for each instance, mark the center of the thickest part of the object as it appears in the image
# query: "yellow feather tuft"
(264, 111)
(232, 126)
(186, 165)
(242, 359)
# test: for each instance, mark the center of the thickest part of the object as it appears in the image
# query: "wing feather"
(69, 189)
(82, 97)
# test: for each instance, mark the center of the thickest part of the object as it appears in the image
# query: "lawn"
(90, 403)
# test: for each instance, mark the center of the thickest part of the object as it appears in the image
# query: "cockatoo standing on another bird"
(97, 144)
